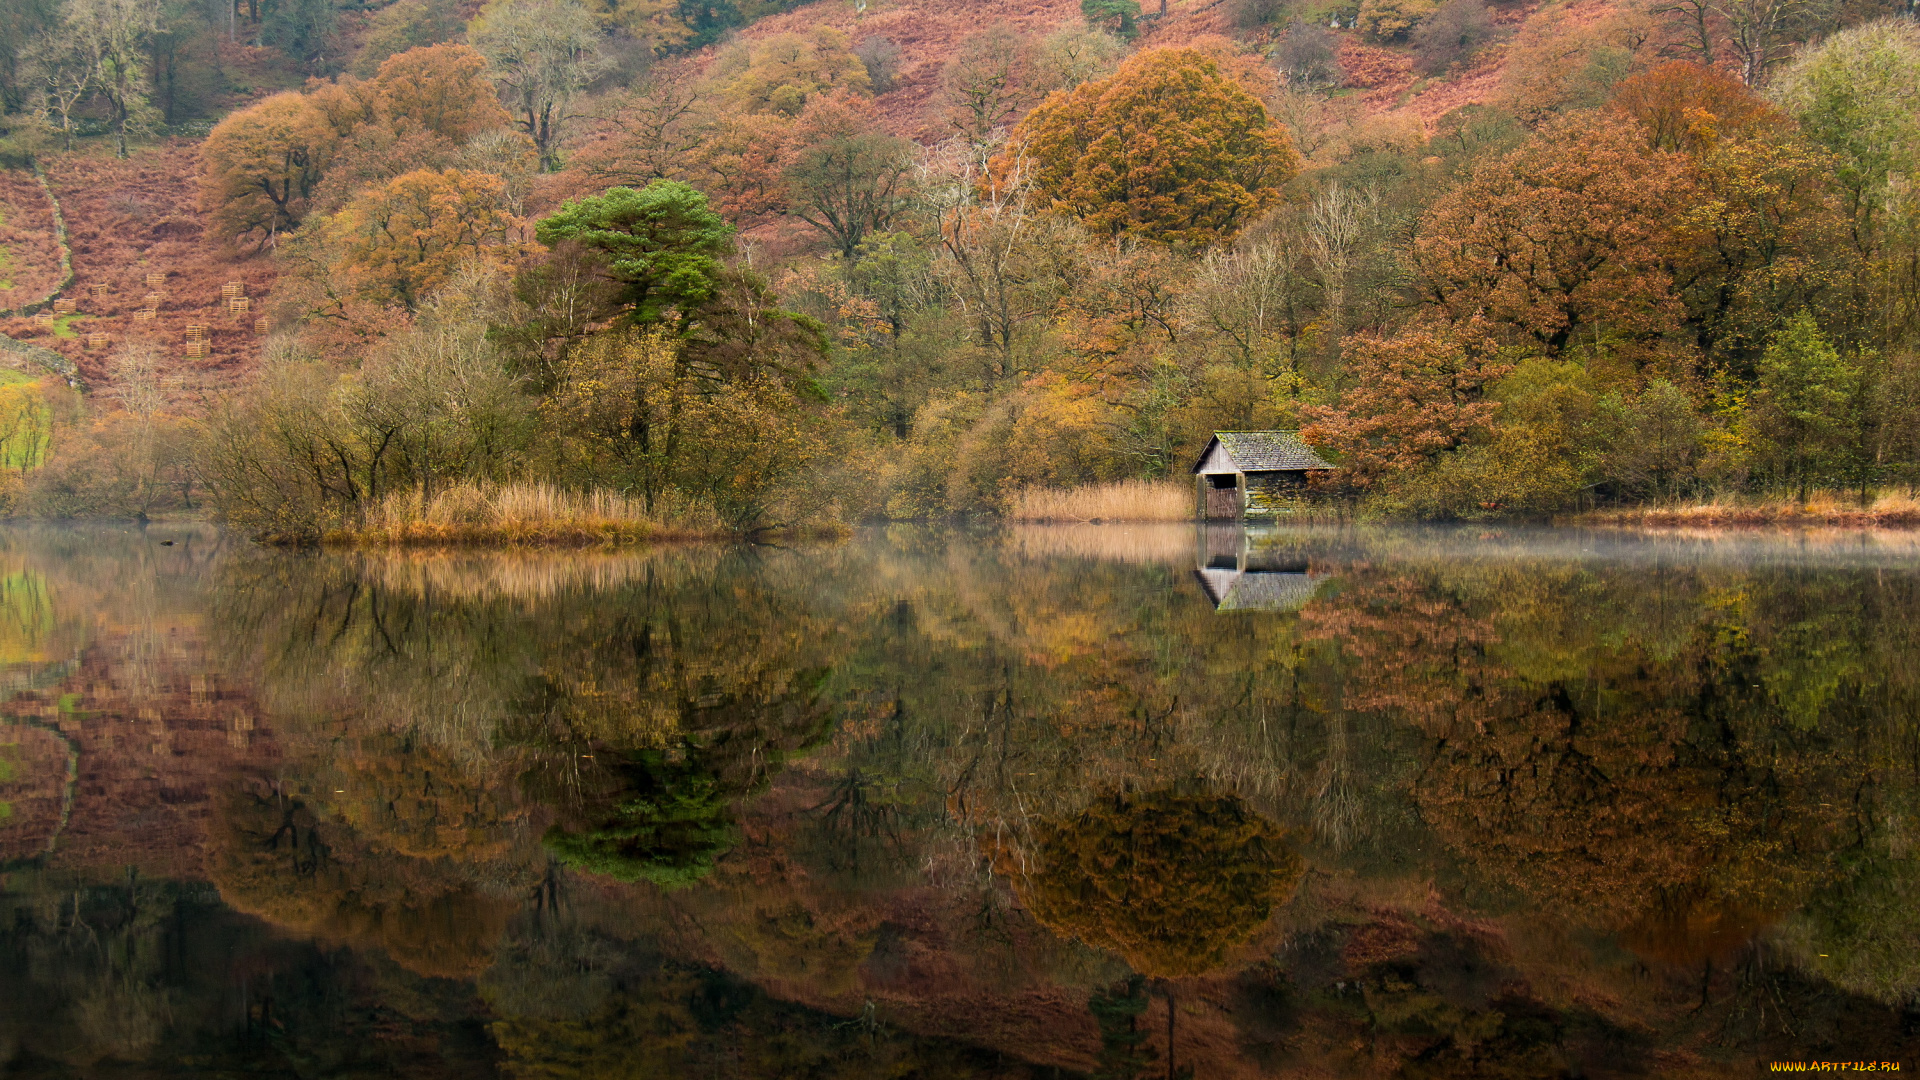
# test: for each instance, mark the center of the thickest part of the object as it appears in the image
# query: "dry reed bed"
(1823, 509)
(1125, 500)
(516, 515)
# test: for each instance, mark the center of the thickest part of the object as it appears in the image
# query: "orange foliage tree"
(261, 168)
(260, 165)
(441, 88)
(1168, 147)
(1413, 398)
(1764, 217)
(1684, 106)
(1572, 235)
(405, 237)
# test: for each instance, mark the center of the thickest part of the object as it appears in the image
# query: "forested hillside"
(733, 266)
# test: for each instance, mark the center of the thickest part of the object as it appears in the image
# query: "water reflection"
(1503, 802)
(1252, 571)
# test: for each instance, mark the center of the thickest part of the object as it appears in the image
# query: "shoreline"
(1899, 514)
(557, 538)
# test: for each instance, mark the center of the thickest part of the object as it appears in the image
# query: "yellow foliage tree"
(785, 70)
(1170, 147)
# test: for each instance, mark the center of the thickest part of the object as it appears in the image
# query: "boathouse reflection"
(1243, 570)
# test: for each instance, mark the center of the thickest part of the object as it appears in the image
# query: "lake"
(1038, 802)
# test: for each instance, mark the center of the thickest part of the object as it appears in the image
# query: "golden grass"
(524, 515)
(1125, 500)
(1823, 508)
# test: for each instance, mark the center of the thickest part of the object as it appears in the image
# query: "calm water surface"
(1120, 802)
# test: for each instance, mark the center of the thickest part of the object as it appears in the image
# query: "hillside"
(129, 219)
(126, 220)
(929, 34)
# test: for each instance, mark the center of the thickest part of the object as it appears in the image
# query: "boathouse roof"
(1258, 451)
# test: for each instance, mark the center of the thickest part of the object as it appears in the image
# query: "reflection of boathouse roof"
(1258, 591)
(1264, 451)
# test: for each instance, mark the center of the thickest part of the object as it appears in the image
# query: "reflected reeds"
(1170, 544)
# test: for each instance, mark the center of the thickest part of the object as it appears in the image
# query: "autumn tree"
(663, 244)
(1171, 880)
(988, 81)
(1169, 147)
(1857, 94)
(1558, 64)
(849, 178)
(408, 24)
(741, 164)
(1573, 234)
(1684, 106)
(1764, 221)
(401, 240)
(60, 76)
(653, 129)
(439, 88)
(541, 54)
(260, 166)
(112, 36)
(1773, 240)
(1413, 398)
(784, 71)
(345, 105)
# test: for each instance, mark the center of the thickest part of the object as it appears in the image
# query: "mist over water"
(1044, 801)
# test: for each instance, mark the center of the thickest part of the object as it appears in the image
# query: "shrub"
(1254, 14)
(1453, 35)
(882, 60)
(1306, 58)
(1390, 21)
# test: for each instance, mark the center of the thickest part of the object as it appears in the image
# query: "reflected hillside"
(1520, 802)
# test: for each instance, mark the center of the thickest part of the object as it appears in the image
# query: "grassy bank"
(523, 515)
(1820, 509)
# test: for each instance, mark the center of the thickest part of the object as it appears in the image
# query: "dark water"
(1054, 802)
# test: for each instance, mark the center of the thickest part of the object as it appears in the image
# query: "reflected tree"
(1172, 880)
